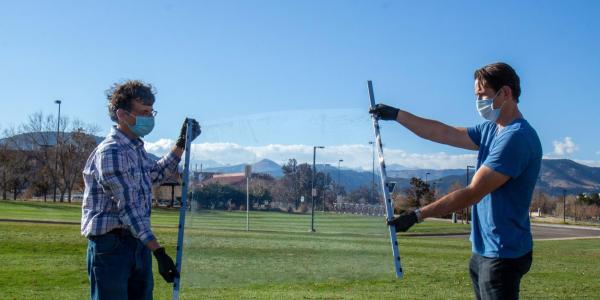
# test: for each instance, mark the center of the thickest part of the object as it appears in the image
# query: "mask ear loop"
(496, 96)
(119, 116)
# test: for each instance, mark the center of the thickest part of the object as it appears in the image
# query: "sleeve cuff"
(500, 169)
(146, 237)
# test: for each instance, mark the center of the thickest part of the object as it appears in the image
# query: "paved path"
(563, 232)
(542, 232)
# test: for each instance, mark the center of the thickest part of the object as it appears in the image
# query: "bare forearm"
(428, 129)
(153, 245)
(452, 202)
(177, 151)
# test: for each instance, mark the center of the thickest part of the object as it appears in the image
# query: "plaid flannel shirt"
(118, 179)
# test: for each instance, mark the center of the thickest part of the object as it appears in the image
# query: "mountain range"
(555, 175)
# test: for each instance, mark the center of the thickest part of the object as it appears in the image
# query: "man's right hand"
(384, 112)
(166, 267)
(404, 221)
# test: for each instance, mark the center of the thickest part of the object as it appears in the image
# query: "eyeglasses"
(152, 113)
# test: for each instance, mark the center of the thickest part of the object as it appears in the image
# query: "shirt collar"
(123, 139)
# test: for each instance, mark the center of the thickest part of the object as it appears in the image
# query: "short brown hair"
(497, 75)
(120, 95)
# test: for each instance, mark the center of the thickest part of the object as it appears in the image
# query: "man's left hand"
(195, 133)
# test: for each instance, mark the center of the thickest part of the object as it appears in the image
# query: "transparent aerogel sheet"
(251, 221)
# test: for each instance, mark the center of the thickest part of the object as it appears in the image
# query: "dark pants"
(498, 278)
(119, 267)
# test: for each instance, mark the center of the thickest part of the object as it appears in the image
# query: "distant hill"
(265, 166)
(46, 138)
(555, 175)
(559, 174)
(433, 174)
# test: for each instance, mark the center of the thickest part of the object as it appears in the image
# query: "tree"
(323, 185)
(400, 202)
(363, 194)
(38, 135)
(17, 167)
(295, 183)
(418, 194)
(589, 198)
(4, 159)
(60, 158)
(20, 170)
(41, 184)
(260, 188)
(218, 196)
(75, 150)
(540, 201)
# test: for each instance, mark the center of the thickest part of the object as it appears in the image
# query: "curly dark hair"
(120, 95)
(497, 75)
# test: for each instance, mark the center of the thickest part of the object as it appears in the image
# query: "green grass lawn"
(348, 257)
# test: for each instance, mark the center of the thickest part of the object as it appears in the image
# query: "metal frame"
(182, 210)
(387, 187)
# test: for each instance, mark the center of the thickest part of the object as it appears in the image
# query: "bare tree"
(17, 165)
(38, 135)
(4, 158)
(74, 151)
(540, 202)
(46, 158)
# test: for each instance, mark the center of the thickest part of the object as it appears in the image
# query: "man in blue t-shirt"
(508, 163)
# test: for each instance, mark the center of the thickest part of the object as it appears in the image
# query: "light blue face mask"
(143, 125)
(486, 109)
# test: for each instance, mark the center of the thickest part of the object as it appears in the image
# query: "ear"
(121, 113)
(508, 92)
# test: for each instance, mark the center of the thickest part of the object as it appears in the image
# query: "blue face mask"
(486, 109)
(143, 125)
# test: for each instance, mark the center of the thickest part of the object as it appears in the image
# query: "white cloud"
(566, 147)
(354, 155)
(159, 147)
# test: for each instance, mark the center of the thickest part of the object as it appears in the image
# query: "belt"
(120, 232)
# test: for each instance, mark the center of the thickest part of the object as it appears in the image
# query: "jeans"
(119, 267)
(498, 278)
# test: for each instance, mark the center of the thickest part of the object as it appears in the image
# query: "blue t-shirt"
(500, 221)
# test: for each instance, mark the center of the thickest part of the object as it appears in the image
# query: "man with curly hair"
(118, 178)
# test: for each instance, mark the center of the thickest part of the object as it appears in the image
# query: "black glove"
(166, 267)
(384, 112)
(404, 221)
(195, 133)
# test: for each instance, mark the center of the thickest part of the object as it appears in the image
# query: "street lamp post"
(56, 150)
(248, 173)
(564, 206)
(313, 192)
(373, 173)
(468, 167)
(338, 181)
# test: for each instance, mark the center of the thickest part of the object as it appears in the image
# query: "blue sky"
(272, 78)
